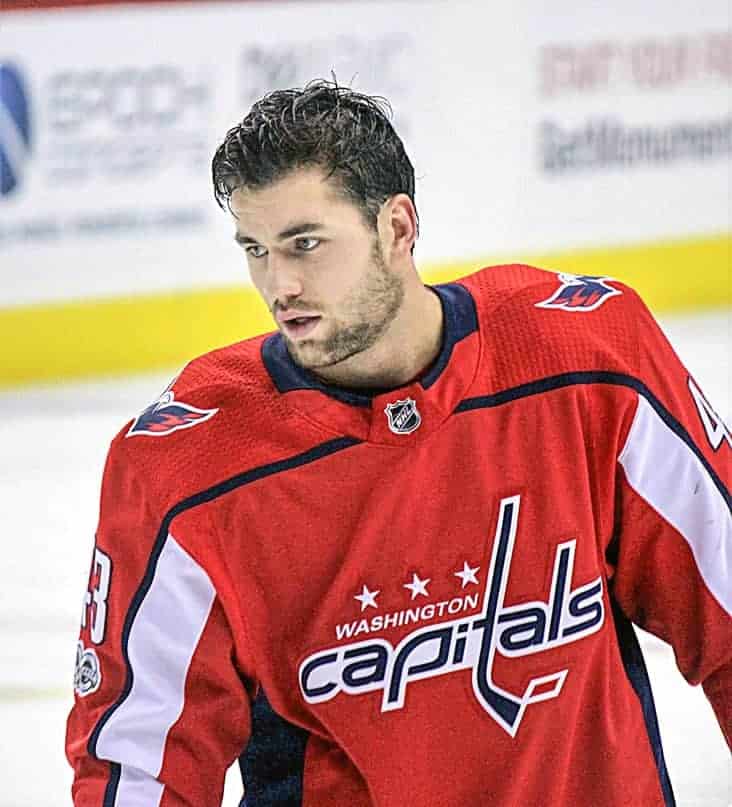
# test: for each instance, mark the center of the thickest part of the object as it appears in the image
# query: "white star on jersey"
(417, 586)
(367, 598)
(467, 575)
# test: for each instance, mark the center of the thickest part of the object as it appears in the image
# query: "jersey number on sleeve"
(714, 426)
(95, 598)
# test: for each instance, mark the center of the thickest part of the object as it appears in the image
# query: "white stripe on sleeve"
(162, 640)
(664, 471)
(137, 789)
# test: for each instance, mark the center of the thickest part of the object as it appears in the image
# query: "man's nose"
(285, 279)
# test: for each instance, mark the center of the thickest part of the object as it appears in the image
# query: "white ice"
(53, 442)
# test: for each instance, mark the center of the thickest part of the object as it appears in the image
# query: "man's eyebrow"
(295, 229)
(299, 229)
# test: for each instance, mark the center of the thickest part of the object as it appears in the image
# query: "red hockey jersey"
(419, 597)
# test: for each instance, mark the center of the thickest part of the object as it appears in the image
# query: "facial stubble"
(369, 311)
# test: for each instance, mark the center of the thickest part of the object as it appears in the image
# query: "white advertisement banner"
(531, 128)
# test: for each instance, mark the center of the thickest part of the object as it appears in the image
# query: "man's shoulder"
(231, 369)
(550, 322)
(494, 285)
(231, 377)
(526, 287)
(213, 419)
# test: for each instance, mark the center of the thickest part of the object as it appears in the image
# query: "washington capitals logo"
(403, 416)
(572, 611)
(580, 293)
(167, 415)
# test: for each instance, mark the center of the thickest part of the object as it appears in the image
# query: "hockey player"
(389, 555)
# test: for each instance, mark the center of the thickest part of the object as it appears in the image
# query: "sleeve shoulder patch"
(166, 415)
(580, 293)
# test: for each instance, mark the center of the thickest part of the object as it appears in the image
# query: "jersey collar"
(366, 413)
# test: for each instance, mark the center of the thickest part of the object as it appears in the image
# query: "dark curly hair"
(348, 134)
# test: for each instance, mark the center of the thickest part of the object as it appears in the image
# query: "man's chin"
(307, 353)
(313, 355)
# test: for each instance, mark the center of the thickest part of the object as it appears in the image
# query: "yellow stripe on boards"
(121, 336)
(669, 276)
(63, 341)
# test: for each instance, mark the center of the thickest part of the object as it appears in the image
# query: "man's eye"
(306, 244)
(256, 251)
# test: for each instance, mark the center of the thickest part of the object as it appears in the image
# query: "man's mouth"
(300, 326)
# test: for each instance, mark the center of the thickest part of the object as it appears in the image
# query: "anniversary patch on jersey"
(403, 416)
(166, 415)
(580, 293)
(87, 674)
(568, 615)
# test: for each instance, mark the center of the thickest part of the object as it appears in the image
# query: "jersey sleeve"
(162, 700)
(673, 541)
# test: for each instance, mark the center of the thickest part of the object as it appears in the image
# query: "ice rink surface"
(53, 444)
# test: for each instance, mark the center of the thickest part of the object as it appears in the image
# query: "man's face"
(318, 266)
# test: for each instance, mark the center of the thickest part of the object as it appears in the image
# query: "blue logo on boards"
(15, 128)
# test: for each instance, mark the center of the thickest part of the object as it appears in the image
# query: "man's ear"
(401, 224)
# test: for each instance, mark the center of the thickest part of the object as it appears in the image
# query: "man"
(390, 554)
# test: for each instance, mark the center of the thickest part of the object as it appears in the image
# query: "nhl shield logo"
(403, 416)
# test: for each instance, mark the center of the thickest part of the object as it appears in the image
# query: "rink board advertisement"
(591, 140)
